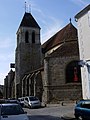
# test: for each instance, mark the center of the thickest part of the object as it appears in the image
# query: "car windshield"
(11, 110)
(33, 98)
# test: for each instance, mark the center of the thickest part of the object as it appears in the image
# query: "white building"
(83, 20)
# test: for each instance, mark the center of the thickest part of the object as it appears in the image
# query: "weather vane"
(70, 20)
(27, 7)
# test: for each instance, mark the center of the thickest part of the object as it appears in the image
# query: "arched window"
(73, 72)
(26, 37)
(1, 95)
(17, 39)
(33, 37)
(28, 87)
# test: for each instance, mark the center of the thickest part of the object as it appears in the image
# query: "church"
(49, 71)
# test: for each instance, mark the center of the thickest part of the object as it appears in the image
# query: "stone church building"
(49, 71)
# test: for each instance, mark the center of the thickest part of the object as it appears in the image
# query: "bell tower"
(28, 50)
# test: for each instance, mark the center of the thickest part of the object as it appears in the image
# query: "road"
(51, 112)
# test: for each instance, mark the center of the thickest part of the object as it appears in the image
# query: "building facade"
(9, 85)
(62, 76)
(28, 51)
(83, 20)
(49, 71)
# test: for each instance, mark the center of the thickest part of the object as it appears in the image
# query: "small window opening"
(26, 37)
(33, 37)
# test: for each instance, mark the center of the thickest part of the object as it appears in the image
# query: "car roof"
(83, 101)
(21, 98)
(31, 96)
(8, 104)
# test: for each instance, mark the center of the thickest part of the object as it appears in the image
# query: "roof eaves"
(82, 12)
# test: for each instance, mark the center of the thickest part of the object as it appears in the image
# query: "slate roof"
(66, 49)
(68, 33)
(29, 21)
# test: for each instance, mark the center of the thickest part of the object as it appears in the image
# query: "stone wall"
(65, 92)
(28, 58)
(57, 68)
(55, 86)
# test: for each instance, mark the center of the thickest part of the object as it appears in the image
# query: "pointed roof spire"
(29, 21)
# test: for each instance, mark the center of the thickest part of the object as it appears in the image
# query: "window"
(18, 37)
(26, 99)
(11, 110)
(33, 37)
(73, 72)
(86, 105)
(26, 37)
(33, 98)
(27, 87)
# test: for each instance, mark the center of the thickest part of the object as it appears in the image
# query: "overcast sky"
(51, 15)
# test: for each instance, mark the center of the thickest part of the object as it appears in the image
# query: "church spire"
(29, 21)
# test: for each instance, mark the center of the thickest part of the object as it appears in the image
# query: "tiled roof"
(69, 32)
(29, 21)
(67, 49)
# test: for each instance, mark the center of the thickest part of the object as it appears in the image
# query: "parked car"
(12, 111)
(10, 101)
(21, 100)
(32, 102)
(82, 110)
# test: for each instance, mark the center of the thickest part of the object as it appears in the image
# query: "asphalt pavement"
(53, 112)
(69, 115)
